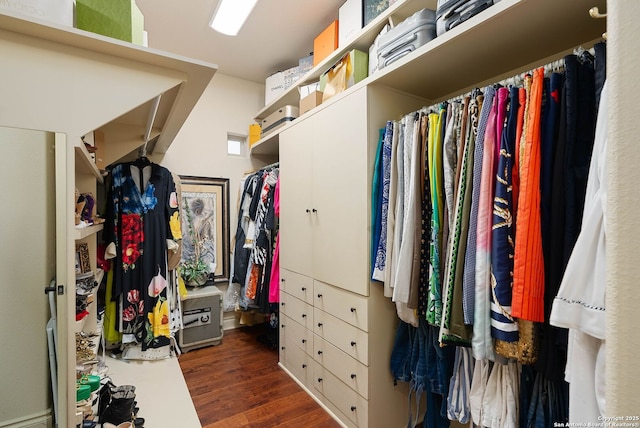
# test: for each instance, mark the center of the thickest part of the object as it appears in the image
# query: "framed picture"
(204, 212)
(83, 263)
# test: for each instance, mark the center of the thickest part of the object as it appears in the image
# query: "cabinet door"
(295, 201)
(341, 190)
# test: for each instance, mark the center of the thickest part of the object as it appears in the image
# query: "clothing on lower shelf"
(497, 179)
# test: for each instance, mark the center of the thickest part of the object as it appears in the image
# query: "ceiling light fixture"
(230, 15)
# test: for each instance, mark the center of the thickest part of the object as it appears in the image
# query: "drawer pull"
(304, 366)
(304, 340)
(319, 324)
(353, 343)
(304, 315)
(353, 408)
(353, 309)
(319, 352)
(319, 379)
(304, 288)
(319, 296)
(353, 375)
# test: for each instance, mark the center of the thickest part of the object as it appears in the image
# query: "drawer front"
(296, 309)
(349, 370)
(296, 361)
(350, 339)
(340, 395)
(347, 306)
(295, 284)
(297, 334)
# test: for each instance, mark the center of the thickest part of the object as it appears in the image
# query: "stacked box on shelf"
(120, 19)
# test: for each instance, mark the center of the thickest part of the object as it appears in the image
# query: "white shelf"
(88, 231)
(154, 379)
(509, 37)
(85, 164)
(189, 78)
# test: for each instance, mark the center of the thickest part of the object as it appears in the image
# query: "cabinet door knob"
(304, 366)
(353, 408)
(282, 304)
(282, 325)
(353, 375)
(314, 210)
(304, 315)
(353, 309)
(319, 379)
(319, 296)
(281, 279)
(304, 340)
(304, 288)
(308, 210)
(319, 352)
(282, 348)
(353, 343)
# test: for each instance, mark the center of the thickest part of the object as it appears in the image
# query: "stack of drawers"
(331, 343)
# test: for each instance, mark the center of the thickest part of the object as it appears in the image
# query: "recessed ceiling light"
(230, 15)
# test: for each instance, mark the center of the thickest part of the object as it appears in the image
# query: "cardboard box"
(325, 43)
(373, 8)
(349, 21)
(56, 11)
(120, 19)
(310, 101)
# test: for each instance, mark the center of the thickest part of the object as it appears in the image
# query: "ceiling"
(275, 36)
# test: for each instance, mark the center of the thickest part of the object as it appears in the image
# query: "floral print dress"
(142, 213)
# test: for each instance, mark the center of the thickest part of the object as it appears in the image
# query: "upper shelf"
(508, 36)
(104, 79)
(85, 164)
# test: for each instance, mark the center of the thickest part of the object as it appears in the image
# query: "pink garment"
(274, 280)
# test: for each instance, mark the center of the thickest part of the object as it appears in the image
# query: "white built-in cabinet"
(60, 79)
(337, 328)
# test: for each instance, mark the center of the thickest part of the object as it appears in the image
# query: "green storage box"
(120, 19)
(360, 64)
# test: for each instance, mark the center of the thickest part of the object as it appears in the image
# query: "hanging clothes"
(580, 303)
(142, 213)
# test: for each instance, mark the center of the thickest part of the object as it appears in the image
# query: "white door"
(29, 260)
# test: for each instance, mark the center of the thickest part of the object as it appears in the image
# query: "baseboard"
(38, 420)
(312, 395)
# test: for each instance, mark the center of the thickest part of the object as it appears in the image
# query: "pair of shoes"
(117, 406)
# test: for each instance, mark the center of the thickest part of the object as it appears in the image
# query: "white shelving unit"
(509, 37)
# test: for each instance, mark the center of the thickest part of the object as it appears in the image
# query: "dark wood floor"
(239, 384)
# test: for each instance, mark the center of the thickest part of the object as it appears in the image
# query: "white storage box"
(202, 318)
(56, 11)
(349, 21)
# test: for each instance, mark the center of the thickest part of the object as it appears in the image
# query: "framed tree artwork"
(204, 212)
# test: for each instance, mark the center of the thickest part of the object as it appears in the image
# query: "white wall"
(200, 149)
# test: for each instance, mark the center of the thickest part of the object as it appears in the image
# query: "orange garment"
(528, 269)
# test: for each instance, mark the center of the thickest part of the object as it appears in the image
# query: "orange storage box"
(325, 43)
